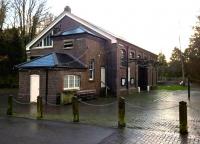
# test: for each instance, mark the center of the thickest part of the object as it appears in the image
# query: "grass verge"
(171, 87)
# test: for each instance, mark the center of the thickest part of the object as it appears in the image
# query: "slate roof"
(77, 30)
(88, 25)
(53, 60)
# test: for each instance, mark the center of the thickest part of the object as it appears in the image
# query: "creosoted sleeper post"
(75, 108)
(121, 112)
(10, 105)
(39, 108)
(183, 117)
(188, 88)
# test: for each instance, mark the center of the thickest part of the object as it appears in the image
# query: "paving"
(26, 131)
(150, 118)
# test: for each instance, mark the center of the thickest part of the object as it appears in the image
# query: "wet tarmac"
(26, 131)
(150, 117)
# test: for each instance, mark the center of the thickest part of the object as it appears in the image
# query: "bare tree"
(30, 13)
(3, 11)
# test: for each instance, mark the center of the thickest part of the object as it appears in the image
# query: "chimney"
(67, 9)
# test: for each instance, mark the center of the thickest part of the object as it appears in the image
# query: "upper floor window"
(139, 56)
(68, 44)
(71, 82)
(46, 41)
(91, 69)
(123, 57)
(132, 55)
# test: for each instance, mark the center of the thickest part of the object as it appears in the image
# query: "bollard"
(75, 108)
(183, 117)
(148, 88)
(138, 89)
(121, 112)
(189, 88)
(39, 108)
(10, 106)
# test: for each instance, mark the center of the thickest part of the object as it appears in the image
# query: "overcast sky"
(154, 25)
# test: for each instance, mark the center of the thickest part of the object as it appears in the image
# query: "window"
(46, 42)
(68, 44)
(71, 82)
(123, 81)
(39, 44)
(91, 70)
(123, 57)
(132, 55)
(139, 56)
(132, 82)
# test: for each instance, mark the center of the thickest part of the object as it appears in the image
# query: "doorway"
(142, 77)
(34, 87)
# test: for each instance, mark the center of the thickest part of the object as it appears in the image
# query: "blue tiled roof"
(52, 60)
(77, 30)
(46, 61)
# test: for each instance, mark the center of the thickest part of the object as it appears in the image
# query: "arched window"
(123, 57)
(132, 55)
(139, 56)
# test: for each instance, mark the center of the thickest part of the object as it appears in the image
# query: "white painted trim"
(68, 48)
(81, 21)
(93, 27)
(43, 47)
(129, 74)
(103, 77)
(74, 88)
(68, 82)
(45, 30)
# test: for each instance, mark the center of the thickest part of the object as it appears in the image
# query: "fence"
(119, 106)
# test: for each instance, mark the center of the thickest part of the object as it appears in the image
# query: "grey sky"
(153, 25)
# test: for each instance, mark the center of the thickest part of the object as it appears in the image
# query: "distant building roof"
(53, 60)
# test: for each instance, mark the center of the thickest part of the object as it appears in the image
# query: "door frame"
(103, 85)
(33, 91)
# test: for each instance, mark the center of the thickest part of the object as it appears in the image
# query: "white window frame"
(41, 47)
(91, 69)
(68, 82)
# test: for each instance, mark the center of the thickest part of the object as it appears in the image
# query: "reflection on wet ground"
(156, 111)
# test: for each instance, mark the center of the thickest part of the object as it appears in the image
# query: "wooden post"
(75, 108)
(183, 117)
(189, 88)
(121, 112)
(39, 108)
(10, 106)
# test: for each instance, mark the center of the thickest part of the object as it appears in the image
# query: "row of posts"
(121, 112)
(139, 90)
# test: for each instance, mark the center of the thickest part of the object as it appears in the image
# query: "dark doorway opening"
(142, 77)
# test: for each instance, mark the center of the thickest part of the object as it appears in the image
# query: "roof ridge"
(77, 19)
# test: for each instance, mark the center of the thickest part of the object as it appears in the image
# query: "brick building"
(73, 54)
